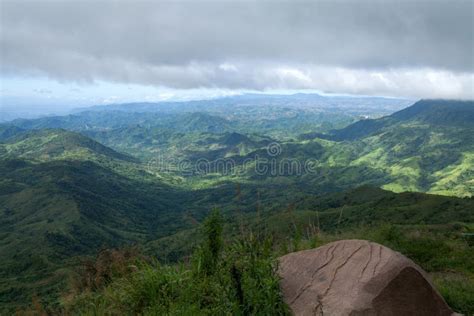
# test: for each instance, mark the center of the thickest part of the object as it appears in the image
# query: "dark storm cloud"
(247, 44)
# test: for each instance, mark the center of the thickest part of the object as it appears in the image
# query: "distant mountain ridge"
(440, 112)
(253, 99)
(426, 147)
(436, 112)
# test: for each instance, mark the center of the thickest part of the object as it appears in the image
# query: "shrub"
(237, 279)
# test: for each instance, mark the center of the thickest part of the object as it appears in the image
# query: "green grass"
(457, 290)
(234, 273)
(238, 278)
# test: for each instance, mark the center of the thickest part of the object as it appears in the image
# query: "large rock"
(357, 277)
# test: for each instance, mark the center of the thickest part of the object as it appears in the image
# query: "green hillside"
(436, 113)
(54, 144)
(415, 150)
(7, 131)
(407, 151)
(251, 243)
(427, 147)
(55, 210)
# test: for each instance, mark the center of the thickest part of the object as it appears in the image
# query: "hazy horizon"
(56, 56)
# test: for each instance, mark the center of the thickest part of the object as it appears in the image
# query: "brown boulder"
(357, 277)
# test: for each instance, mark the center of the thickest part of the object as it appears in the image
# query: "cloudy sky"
(82, 52)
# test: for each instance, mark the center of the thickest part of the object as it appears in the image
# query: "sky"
(62, 54)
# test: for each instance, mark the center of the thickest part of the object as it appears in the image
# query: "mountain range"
(123, 174)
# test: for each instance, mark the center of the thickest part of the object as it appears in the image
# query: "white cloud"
(408, 48)
(228, 67)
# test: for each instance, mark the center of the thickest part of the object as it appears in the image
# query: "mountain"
(331, 103)
(7, 131)
(437, 113)
(411, 150)
(74, 184)
(203, 122)
(426, 147)
(48, 144)
(53, 211)
(282, 115)
(230, 145)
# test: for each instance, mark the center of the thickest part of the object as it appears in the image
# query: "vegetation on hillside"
(235, 273)
(221, 277)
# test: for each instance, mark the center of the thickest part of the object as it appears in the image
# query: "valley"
(148, 174)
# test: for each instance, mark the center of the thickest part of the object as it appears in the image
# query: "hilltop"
(53, 144)
(437, 113)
